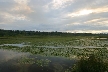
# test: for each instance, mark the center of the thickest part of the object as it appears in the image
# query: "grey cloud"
(35, 15)
(85, 4)
(82, 19)
(6, 5)
(86, 27)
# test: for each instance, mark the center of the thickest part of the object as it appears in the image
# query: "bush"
(91, 64)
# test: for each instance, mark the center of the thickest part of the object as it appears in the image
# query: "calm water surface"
(12, 61)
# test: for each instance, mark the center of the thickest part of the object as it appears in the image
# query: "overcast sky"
(55, 15)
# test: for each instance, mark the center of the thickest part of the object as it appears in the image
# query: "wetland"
(50, 53)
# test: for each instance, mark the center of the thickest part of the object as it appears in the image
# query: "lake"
(13, 61)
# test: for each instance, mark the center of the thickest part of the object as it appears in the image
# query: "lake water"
(11, 61)
(80, 47)
(22, 45)
(18, 45)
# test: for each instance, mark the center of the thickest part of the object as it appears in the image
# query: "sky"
(82, 16)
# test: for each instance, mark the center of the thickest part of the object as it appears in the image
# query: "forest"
(39, 33)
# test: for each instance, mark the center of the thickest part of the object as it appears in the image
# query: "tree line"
(39, 33)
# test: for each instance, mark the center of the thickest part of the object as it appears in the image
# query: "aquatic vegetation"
(43, 62)
(78, 48)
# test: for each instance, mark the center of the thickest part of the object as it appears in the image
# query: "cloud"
(61, 3)
(97, 20)
(74, 23)
(58, 4)
(80, 13)
(25, 2)
(22, 7)
(14, 11)
(54, 15)
(87, 11)
(10, 18)
(88, 31)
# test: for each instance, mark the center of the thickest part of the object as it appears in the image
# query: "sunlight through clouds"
(80, 13)
(85, 12)
(88, 11)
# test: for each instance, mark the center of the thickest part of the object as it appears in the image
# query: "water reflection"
(6, 55)
(11, 61)
(80, 47)
(18, 45)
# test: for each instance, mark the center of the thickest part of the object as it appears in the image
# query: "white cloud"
(61, 3)
(80, 13)
(58, 4)
(87, 11)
